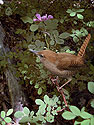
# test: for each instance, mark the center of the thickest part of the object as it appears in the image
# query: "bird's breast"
(52, 68)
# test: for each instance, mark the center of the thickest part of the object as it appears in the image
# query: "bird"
(64, 64)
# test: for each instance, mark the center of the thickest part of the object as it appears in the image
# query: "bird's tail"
(84, 45)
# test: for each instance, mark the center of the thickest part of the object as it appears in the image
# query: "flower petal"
(50, 17)
(38, 16)
(44, 17)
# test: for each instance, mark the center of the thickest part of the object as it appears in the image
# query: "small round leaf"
(91, 87)
(68, 115)
(33, 27)
(7, 119)
(75, 110)
(9, 112)
(80, 16)
(39, 102)
(3, 114)
(19, 114)
(26, 110)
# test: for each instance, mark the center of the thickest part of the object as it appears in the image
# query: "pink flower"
(43, 18)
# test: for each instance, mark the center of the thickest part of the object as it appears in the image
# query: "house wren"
(63, 64)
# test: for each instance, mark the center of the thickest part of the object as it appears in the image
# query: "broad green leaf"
(73, 14)
(33, 27)
(68, 115)
(46, 99)
(64, 35)
(39, 91)
(39, 102)
(25, 119)
(9, 112)
(75, 110)
(7, 119)
(3, 114)
(27, 19)
(91, 87)
(85, 115)
(80, 16)
(19, 114)
(26, 110)
(85, 122)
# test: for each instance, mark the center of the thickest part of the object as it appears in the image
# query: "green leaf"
(92, 121)
(39, 102)
(42, 109)
(3, 114)
(33, 27)
(48, 108)
(85, 122)
(8, 119)
(46, 99)
(75, 39)
(80, 16)
(85, 115)
(69, 11)
(52, 42)
(39, 91)
(31, 82)
(80, 10)
(31, 113)
(25, 119)
(8, 11)
(73, 14)
(68, 115)
(91, 87)
(36, 86)
(3, 123)
(19, 114)
(27, 19)
(26, 110)
(75, 110)
(64, 35)
(92, 103)
(77, 123)
(9, 112)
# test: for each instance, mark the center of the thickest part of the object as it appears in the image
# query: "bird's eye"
(41, 55)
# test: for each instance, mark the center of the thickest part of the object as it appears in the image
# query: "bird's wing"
(68, 62)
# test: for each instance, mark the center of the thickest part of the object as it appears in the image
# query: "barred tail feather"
(84, 45)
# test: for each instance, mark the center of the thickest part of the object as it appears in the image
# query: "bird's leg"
(65, 83)
(55, 81)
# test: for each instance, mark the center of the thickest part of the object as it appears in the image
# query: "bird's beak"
(33, 51)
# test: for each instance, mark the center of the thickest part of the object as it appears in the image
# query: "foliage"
(63, 33)
(5, 116)
(75, 112)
